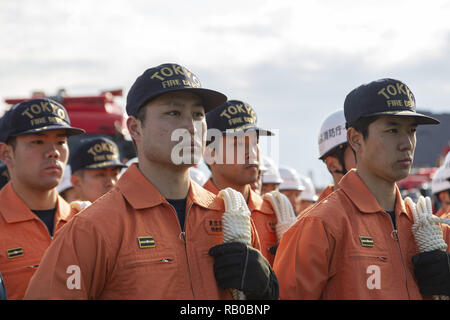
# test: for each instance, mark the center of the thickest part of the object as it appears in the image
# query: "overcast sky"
(293, 61)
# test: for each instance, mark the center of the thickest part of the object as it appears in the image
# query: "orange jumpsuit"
(441, 213)
(325, 192)
(445, 215)
(129, 245)
(263, 216)
(346, 247)
(23, 239)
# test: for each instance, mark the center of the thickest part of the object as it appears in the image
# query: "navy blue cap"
(234, 117)
(35, 115)
(382, 97)
(95, 153)
(166, 78)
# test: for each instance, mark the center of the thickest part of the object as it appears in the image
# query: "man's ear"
(134, 128)
(75, 180)
(6, 153)
(355, 139)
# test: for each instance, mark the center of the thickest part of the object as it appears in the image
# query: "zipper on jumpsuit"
(48, 233)
(394, 235)
(182, 237)
(46, 229)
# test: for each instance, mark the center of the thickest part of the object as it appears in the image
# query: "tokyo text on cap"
(233, 117)
(33, 116)
(95, 153)
(382, 97)
(166, 78)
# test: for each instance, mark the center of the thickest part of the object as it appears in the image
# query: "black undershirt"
(392, 214)
(180, 207)
(47, 217)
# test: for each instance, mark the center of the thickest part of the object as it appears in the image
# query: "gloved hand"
(79, 205)
(432, 272)
(3, 295)
(283, 210)
(242, 267)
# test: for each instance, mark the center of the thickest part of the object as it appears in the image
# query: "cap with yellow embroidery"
(233, 117)
(382, 97)
(95, 153)
(33, 116)
(166, 78)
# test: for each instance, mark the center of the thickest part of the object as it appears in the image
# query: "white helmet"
(310, 192)
(446, 165)
(65, 181)
(439, 182)
(197, 175)
(332, 133)
(291, 179)
(271, 174)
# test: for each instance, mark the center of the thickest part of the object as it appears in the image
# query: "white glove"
(283, 210)
(79, 205)
(427, 233)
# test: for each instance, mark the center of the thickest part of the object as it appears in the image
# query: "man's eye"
(173, 113)
(37, 142)
(199, 115)
(392, 130)
(61, 143)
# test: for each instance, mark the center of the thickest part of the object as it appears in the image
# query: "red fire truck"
(97, 115)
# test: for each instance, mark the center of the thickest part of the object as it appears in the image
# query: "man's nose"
(53, 151)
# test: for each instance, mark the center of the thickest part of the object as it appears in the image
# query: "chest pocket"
(148, 273)
(19, 256)
(367, 269)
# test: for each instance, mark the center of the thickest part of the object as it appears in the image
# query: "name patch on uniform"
(271, 226)
(214, 225)
(146, 242)
(366, 241)
(14, 252)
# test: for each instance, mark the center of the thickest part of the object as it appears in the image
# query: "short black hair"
(362, 125)
(336, 152)
(12, 141)
(141, 114)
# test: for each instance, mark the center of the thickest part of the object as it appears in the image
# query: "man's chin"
(47, 184)
(402, 174)
(244, 179)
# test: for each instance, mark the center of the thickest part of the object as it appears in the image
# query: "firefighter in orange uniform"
(95, 167)
(33, 145)
(357, 243)
(156, 234)
(291, 186)
(334, 149)
(440, 187)
(237, 134)
(308, 196)
(270, 178)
